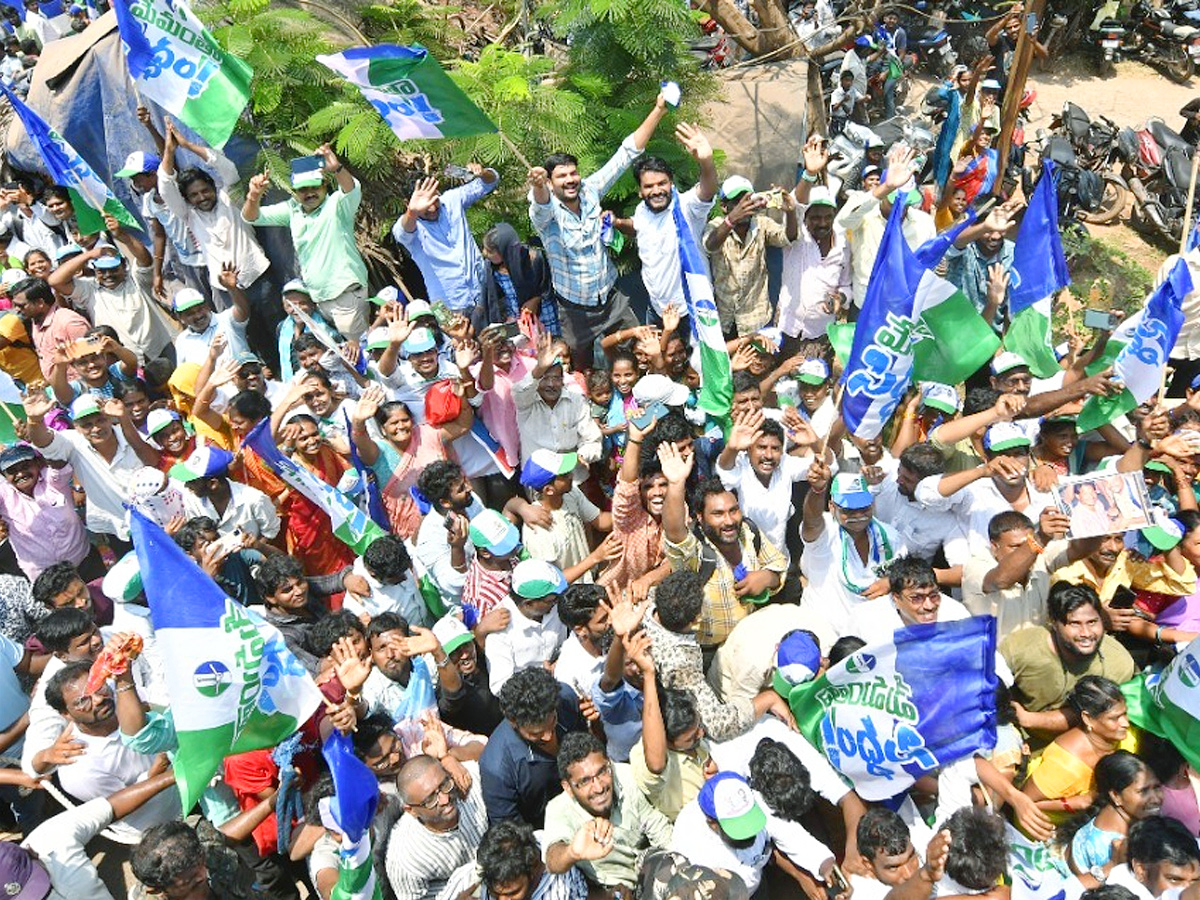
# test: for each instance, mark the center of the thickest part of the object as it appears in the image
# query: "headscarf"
(529, 274)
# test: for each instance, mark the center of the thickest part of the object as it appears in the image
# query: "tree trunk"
(736, 25)
(775, 29)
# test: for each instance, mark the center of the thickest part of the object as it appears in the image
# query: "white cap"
(735, 185)
(651, 389)
(819, 195)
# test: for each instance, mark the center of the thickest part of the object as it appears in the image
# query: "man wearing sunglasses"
(439, 832)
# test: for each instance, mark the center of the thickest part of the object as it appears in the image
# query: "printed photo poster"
(1103, 503)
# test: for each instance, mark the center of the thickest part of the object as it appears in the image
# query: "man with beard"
(116, 295)
(846, 548)
(1048, 662)
(49, 323)
(203, 204)
(322, 226)
(231, 504)
(440, 832)
(104, 764)
(401, 681)
(564, 209)
(601, 822)
(653, 221)
(816, 268)
(739, 566)
(584, 609)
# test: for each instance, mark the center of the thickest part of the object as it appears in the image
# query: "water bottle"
(458, 173)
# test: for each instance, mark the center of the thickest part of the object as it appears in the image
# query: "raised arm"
(333, 166)
(676, 468)
(697, 145)
(364, 411)
(131, 245)
(813, 511)
(143, 115)
(147, 454)
(645, 131)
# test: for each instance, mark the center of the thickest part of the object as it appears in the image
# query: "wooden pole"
(1187, 214)
(1018, 72)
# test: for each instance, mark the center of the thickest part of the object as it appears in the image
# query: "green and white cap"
(1165, 533)
(1004, 436)
(451, 633)
(123, 582)
(941, 397)
(533, 579)
(1007, 361)
(727, 798)
(491, 531)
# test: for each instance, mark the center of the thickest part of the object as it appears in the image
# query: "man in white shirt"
(914, 598)
(845, 549)
(653, 220)
(534, 633)
(231, 504)
(1001, 483)
(552, 418)
(202, 324)
(1162, 860)
(864, 216)
(754, 466)
(725, 828)
(584, 610)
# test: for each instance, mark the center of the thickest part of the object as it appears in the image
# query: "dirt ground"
(1135, 93)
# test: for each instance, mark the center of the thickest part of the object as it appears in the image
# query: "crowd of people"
(567, 657)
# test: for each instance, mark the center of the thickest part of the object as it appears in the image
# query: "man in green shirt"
(600, 822)
(322, 226)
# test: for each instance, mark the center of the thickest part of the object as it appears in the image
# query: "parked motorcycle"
(1094, 142)
(1153, 36)
(934, 53)
(1158, 170)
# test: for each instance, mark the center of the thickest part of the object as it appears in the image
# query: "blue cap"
(543, 466)
(797, 661)
(205, 462)
(849, 491)
(108, 262)
(17, 453)
(420, 341)
(727, 798)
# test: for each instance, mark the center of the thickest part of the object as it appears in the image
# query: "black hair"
(910, 572)
(576, 747)
(68, 674)
(771, 428)
(978, 399)
(507, 850)
(678, 600)
(123, 387)
(978, 847)
(923, 460)
(29, 255)
(370, 730)
(598, 379)
(52, 581)
(1115, 772)
(671, 428)
(777, 774)
(1155, 840)
(386, 410)
(62, 626)
(56, 192)
(385, 622)
(1004, 522)
(188, 177)
(330, 629)
(1094, 695)
(845, 646)
(651, 164)
(881, 830)
(193, 530)
(103, 331)
(322, 788)
(1189, 519)
(679, 712)
(387, 559)
(1065, 598)
(622, 356)
(579, 603)
(306, 341)
(251, 405)
(1161, 755)
(707, 487)
(437, 479)
(554, 160)
(307, 419)
(744, 381)
(166, 852)
(275, 571)
(34, 289)
(320, 377)
(1108, 892)
(529, 697)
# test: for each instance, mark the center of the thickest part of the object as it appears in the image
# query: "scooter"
(1153, 36)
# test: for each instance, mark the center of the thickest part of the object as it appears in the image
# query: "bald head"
(415, 772)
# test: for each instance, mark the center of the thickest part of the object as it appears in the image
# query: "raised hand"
(538, 178)
(424, 196)
(1054, 524)
(745, 428)
(637, 649)
(368, 404)
(626, 616)
(112, 226)
(675, 466)
(229, 276)
(352, 670)
(816, 154)
(65, 748)
(420, 640)
(113, 407)
(259, 184)
(819, 475)
(593, 840)
(671, 319)
(37, 403)
(330, 162)
(465, 353)
(143, 115)
(693, 141)
(1009, 406)
(899, 166)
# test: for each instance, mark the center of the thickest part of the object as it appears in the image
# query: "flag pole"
(516, 151)
(1187, 213)
(11, 417)
(837, 405)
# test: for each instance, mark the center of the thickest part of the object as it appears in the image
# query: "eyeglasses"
(603, 772)
(88, 701)
(434, 799)
(920, 597)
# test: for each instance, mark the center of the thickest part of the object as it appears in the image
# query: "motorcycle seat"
(1178, 167)
(1076, 119)
(1171, 29)
(932, 39)
(1167, 137)
(1060, 152)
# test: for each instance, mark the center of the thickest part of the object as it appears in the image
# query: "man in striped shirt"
(439, 832)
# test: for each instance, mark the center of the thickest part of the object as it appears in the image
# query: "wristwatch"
(1098, 873)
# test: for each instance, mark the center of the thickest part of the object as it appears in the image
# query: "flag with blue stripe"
(90, 195)
(351, 525)
(369, 481)
(233, 684)
(351, 810)
(897, 710)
